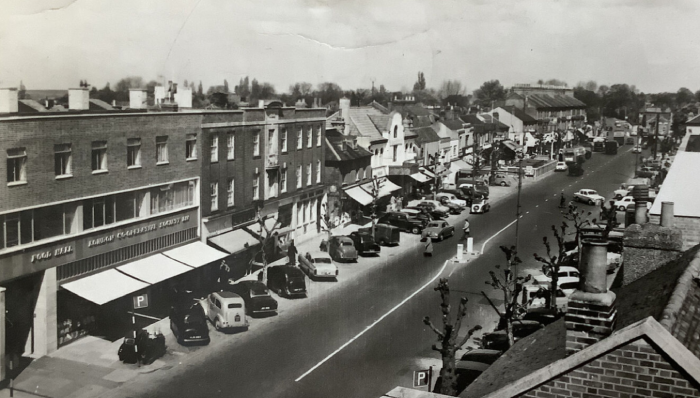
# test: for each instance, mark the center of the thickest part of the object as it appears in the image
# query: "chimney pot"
(667, 214)
(594, 266)
(261, 103)
(640, 212)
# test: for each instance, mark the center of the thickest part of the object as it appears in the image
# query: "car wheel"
(591, 202)
(621, 208)
(217, 325)
(503, 183)
(415, 230)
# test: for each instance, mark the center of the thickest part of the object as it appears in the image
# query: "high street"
(359, 339)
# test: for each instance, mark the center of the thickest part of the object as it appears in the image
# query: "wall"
(689, 226)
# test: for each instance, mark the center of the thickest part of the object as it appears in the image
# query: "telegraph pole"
(656, 136)
(517, 208)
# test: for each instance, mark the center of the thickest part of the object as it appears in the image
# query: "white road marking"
(373, 324)
(494, 235)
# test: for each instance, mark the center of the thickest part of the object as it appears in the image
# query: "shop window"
(214, 191)
(128, 205)
(299, 139)
(230, 146)
(214, 148)
(162, 150)
(99, 156)
(133, 152)
(98, 212)
(63, 159)
(49, 222)
(191, 147)
(283, 181)
(230, 192)
(16, 165)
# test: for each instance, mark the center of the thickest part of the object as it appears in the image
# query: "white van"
(226, 310)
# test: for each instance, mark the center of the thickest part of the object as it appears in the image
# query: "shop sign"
(141, 301)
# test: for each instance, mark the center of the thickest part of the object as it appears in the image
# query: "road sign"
(141, 301)
(421, 378)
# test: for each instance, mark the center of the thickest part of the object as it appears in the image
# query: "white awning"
(104, 287)
(234, 241)
(360, 195)
(457, 165)
(420, 177)
(387, 187)
(195, 254)
(154, 269)
(427, 172)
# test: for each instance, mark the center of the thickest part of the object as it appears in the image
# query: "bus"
(576, 154)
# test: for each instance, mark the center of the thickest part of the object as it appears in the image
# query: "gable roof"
(488, 119)
(541, 101)
(337, 152)
(677, 189)
(694, 121)
(28, 105)
(361, 124)
(376, 105)
(97, 104)
(381, 122)
(452, 124)
(411, 109)
(425, 134)
(520, 114)
(471, 119)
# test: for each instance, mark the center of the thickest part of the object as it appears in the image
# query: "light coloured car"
(534, 290)
(226, 310)
(435, 204)
(561, 166)
(624, 202)
(438, 230)
(450, 197)
(480, 206)
(568, 279)
(588, 196)
(502, 179)
(318, 265)
(637, 149)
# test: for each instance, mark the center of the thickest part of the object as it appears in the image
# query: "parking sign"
(141, 301)
(421, 378)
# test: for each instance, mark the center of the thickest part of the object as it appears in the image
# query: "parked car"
(403, 221)
(226, 310)
(450, 197)
(588, 196)
(342, 248)
(256, 296)
(457, 192)
(623, 203)
(286, 280)
(413, 211)
(188, 323)
(438, 230)
(466, 372)
(498, 340)
(568, 279)
(454, 207)
(481, 206)
(384, 234)
(637, 149)
(318, 265)
(482, 355)
(561, 166)
(538, 293)
(431, 205)
(364, 243)
(418, 213)
(502, 179)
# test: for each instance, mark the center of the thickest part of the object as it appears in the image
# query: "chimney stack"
(261, 103)
(79, 99)
(591, 313)
(344, 108)
(9, 100)
(137, 98)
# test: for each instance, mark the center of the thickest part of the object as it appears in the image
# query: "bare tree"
(511, 286)
(450, 87)
(265, 238)
(610, 217)
(375, 187)
(448, 336)
(328, 220)
(552, 263)
(579, 219)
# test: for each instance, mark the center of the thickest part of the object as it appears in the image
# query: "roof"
(411, 109)
(381, 122)
(472, 119)
(41, 94)
(694, 121)
(453, 124)
(553, 101)
(520, 114)
(361, 124)
(376, 105)
(426, 134)
(676, 188)
(491, 120)
(27, 105)
(336, 152)
(96, 104)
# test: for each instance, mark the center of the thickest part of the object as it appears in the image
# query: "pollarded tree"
(552, 263)
(579, 219)
(448, 336)
(266, 236)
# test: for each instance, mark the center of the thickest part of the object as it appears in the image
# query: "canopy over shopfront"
(420, 177)
(363, 193)
(235, 241)
(195, 254)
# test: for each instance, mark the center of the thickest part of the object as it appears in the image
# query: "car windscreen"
(322, 260)
(257, 291)
(434, 225)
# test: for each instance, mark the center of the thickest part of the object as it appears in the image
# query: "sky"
(53, 44)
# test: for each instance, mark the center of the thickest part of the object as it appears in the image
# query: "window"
(161, 149)
(172, 196)
(318, 171)
(300, 213)
(128, 205)
(357, 176)
(283, 180)
(230, 146)
(256, 144)
(256, 187)
(16, 165)
(98, 212)
(283, 140)
(51, 221)
(229, 200)
(63, 159)
(99, 156)
(318, 136)
(133, 152)
(396, 131)
(214, 189)
(395, 153)
(191, 146)
(214, 148)
(308, 174)
(299, 176)
(299, 139)
(309, 138)
(17, 229)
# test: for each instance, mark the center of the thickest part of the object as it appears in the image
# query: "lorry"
(611, 147)
(599, 144)
(618, 131)
(576, 154)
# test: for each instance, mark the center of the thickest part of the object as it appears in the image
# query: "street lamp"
(520, 155)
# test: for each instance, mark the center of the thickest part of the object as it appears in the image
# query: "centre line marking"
(494, 235)
(373, 324)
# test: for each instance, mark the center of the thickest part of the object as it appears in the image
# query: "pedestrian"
(562, 200)
(428, 247)
(466, 229)
(224, 273)
(292, 253)
(360, 216)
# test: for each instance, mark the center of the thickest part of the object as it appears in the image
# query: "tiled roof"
(452, 124)
(335, 151)
(411, 109)
(472, 119)
(330, 119)
(501, 126)
(96, 104)
(381, 122)
(376, 105)
(425, 134)
(520, 114)
(361, 124)
(26, 105)
(541, 101)
(694, 121)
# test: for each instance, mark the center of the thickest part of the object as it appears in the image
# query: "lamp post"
(520, 156)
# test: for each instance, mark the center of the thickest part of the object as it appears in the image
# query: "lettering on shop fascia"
(110, 238)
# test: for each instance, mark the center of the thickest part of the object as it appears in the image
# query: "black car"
(403, 221)
(188, 323)
(286, 280)
(364, 243)
(256, 296)
(430, 210)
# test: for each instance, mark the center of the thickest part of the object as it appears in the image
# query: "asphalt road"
(366, 337)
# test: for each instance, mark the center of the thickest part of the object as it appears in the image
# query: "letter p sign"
(141, 301)
(420, 378)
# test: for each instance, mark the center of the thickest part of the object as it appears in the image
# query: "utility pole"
(656, 135)
(517, 208)
(432, 166)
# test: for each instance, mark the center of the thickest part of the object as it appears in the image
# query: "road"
(366, 337)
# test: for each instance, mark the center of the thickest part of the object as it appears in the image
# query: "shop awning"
(154, 269)
(420, 177)
(427, 172)
(512, 145)
(104, 287)
(234, 241)
(360, 195)
(457, 165)
(386, 187)
(195, 254)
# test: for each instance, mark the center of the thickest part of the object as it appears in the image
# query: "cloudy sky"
(52, 44)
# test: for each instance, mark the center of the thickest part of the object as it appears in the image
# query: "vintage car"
(256, 296)
(364, 243)
(480, 206)
(188, 323)
(226, 310)
(438, 230)
(384, 234)
(502, 179)
(286, 280)
(431, 205)
(450, 198)
(318, 265)
(588, 196)
(623, 203)
(402, 220)
(561, 166)
(342, 248)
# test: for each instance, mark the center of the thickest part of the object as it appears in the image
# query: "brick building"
(97, 207)
(554, 107)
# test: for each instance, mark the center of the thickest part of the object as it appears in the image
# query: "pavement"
(90, 366)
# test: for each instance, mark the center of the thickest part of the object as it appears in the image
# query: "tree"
(450, 87)
(243, 88)
(602, 89)
(684, 96)
(106, 94)
(489, 92)
(328, 91)
(265, 238)
(200, 91)
(329, 221)
(121, 90)
(697, 96)
(448, 337)
(552, 263)
(553, 82)
(420, 84)
(511, 286)
(579, 219)
(592, 101)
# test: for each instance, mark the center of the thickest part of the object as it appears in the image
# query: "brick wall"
(39, 135)
(690, 226)
(636, 369)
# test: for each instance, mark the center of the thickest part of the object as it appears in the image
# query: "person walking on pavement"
(562, 200)
(224, 272)
(466, 229)
(292, 253)
(428, 248)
